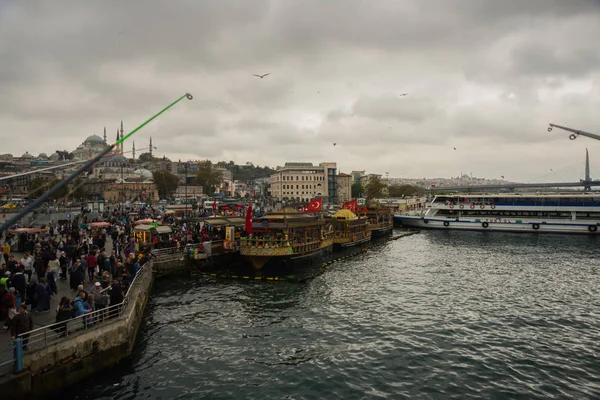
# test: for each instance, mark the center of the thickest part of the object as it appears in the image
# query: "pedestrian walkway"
(47, 318)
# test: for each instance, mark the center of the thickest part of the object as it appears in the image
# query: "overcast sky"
(484, 77)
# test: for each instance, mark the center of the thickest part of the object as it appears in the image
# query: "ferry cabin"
(349, 230)
(556, 213)
(380, 221)
(286, 239)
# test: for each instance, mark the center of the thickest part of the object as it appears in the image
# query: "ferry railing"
(50, 334)
(264, 243)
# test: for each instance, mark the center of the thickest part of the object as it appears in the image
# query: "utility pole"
(186, 192)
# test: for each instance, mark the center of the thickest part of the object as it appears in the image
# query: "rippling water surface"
(437, 315)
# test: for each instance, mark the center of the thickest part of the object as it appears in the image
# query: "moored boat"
(539, 212)
(349, 229)
(286, 242)
(381, 220)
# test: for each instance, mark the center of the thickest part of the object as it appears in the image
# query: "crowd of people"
(107, 258)
(78, 251)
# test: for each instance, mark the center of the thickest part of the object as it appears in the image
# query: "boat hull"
(382, 231)
(346, 242)
(533, 226)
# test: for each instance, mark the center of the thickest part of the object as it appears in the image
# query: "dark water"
(437, 315)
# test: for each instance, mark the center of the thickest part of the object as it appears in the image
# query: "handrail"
(47, 335)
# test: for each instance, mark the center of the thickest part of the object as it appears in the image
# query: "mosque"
(115, 167)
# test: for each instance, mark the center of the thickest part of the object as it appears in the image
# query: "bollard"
(18, 347)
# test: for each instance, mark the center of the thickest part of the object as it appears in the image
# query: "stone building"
(131, 191)
(344, 187)
(305, 181)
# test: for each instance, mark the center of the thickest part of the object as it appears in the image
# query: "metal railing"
(50, 334)
(174, 250)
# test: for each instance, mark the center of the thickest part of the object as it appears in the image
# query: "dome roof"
(94, 139)
(112, 160)
(27, 155)
(144, 174)
(42, 155)
(54, 156)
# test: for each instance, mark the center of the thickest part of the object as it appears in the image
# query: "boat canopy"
(346, 214)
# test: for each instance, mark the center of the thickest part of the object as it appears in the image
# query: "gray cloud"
(483, 76)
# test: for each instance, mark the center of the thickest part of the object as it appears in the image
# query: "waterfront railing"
(45, 336)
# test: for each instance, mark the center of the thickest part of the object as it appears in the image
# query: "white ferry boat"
(549, 212)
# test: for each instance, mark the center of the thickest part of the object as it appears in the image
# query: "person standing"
(27, 262)
(92, 263)
(21, 324)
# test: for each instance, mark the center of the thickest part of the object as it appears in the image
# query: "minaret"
(116, 149)
(105, 135)
(150, 146)
(122, 151)
(133, 151)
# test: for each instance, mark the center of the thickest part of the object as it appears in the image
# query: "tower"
(105, 135)
(133, 151)
(122, 137)
(150, 146)
(587, 180)
(117, 150)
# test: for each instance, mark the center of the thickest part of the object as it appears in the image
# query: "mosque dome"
(144, 174)
(43, 156)
(27, 155)
(54, 157)
(114, 161)
(94, 139)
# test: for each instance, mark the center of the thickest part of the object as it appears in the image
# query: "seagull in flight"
(455, 148)
(404, 94)
(334, 144)
(261, 76)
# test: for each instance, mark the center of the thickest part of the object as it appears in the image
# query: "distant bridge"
(585, 183)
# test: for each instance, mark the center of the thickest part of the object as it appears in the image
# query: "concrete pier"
(63, 361)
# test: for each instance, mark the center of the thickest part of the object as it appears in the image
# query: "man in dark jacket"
(21, 324)
(19, 282)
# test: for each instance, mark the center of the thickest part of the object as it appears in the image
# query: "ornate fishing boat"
(287, 241)
(381, 220)
(349, 229)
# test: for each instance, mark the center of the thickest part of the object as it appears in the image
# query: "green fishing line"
(189, 96)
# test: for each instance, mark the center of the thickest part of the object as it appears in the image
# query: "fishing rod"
(575, 132)
(40, 200)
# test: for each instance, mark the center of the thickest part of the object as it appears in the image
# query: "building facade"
(305, 181)
(131, 191)
(344, 187)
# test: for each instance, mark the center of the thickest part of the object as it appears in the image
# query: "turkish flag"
(214, 205)
(249, 218)
(315, 205)
(351, 205)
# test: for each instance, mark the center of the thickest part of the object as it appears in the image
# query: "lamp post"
(186, 191)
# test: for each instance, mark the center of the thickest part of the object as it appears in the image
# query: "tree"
(208, 178)
(146, 157)
(64, 155)
(357, 190)
(375, 189)
(77, 191)
(166, 183)
(405, 191)
(36, 187)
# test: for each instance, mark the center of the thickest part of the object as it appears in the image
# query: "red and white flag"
(315, 205)
(248, 225)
